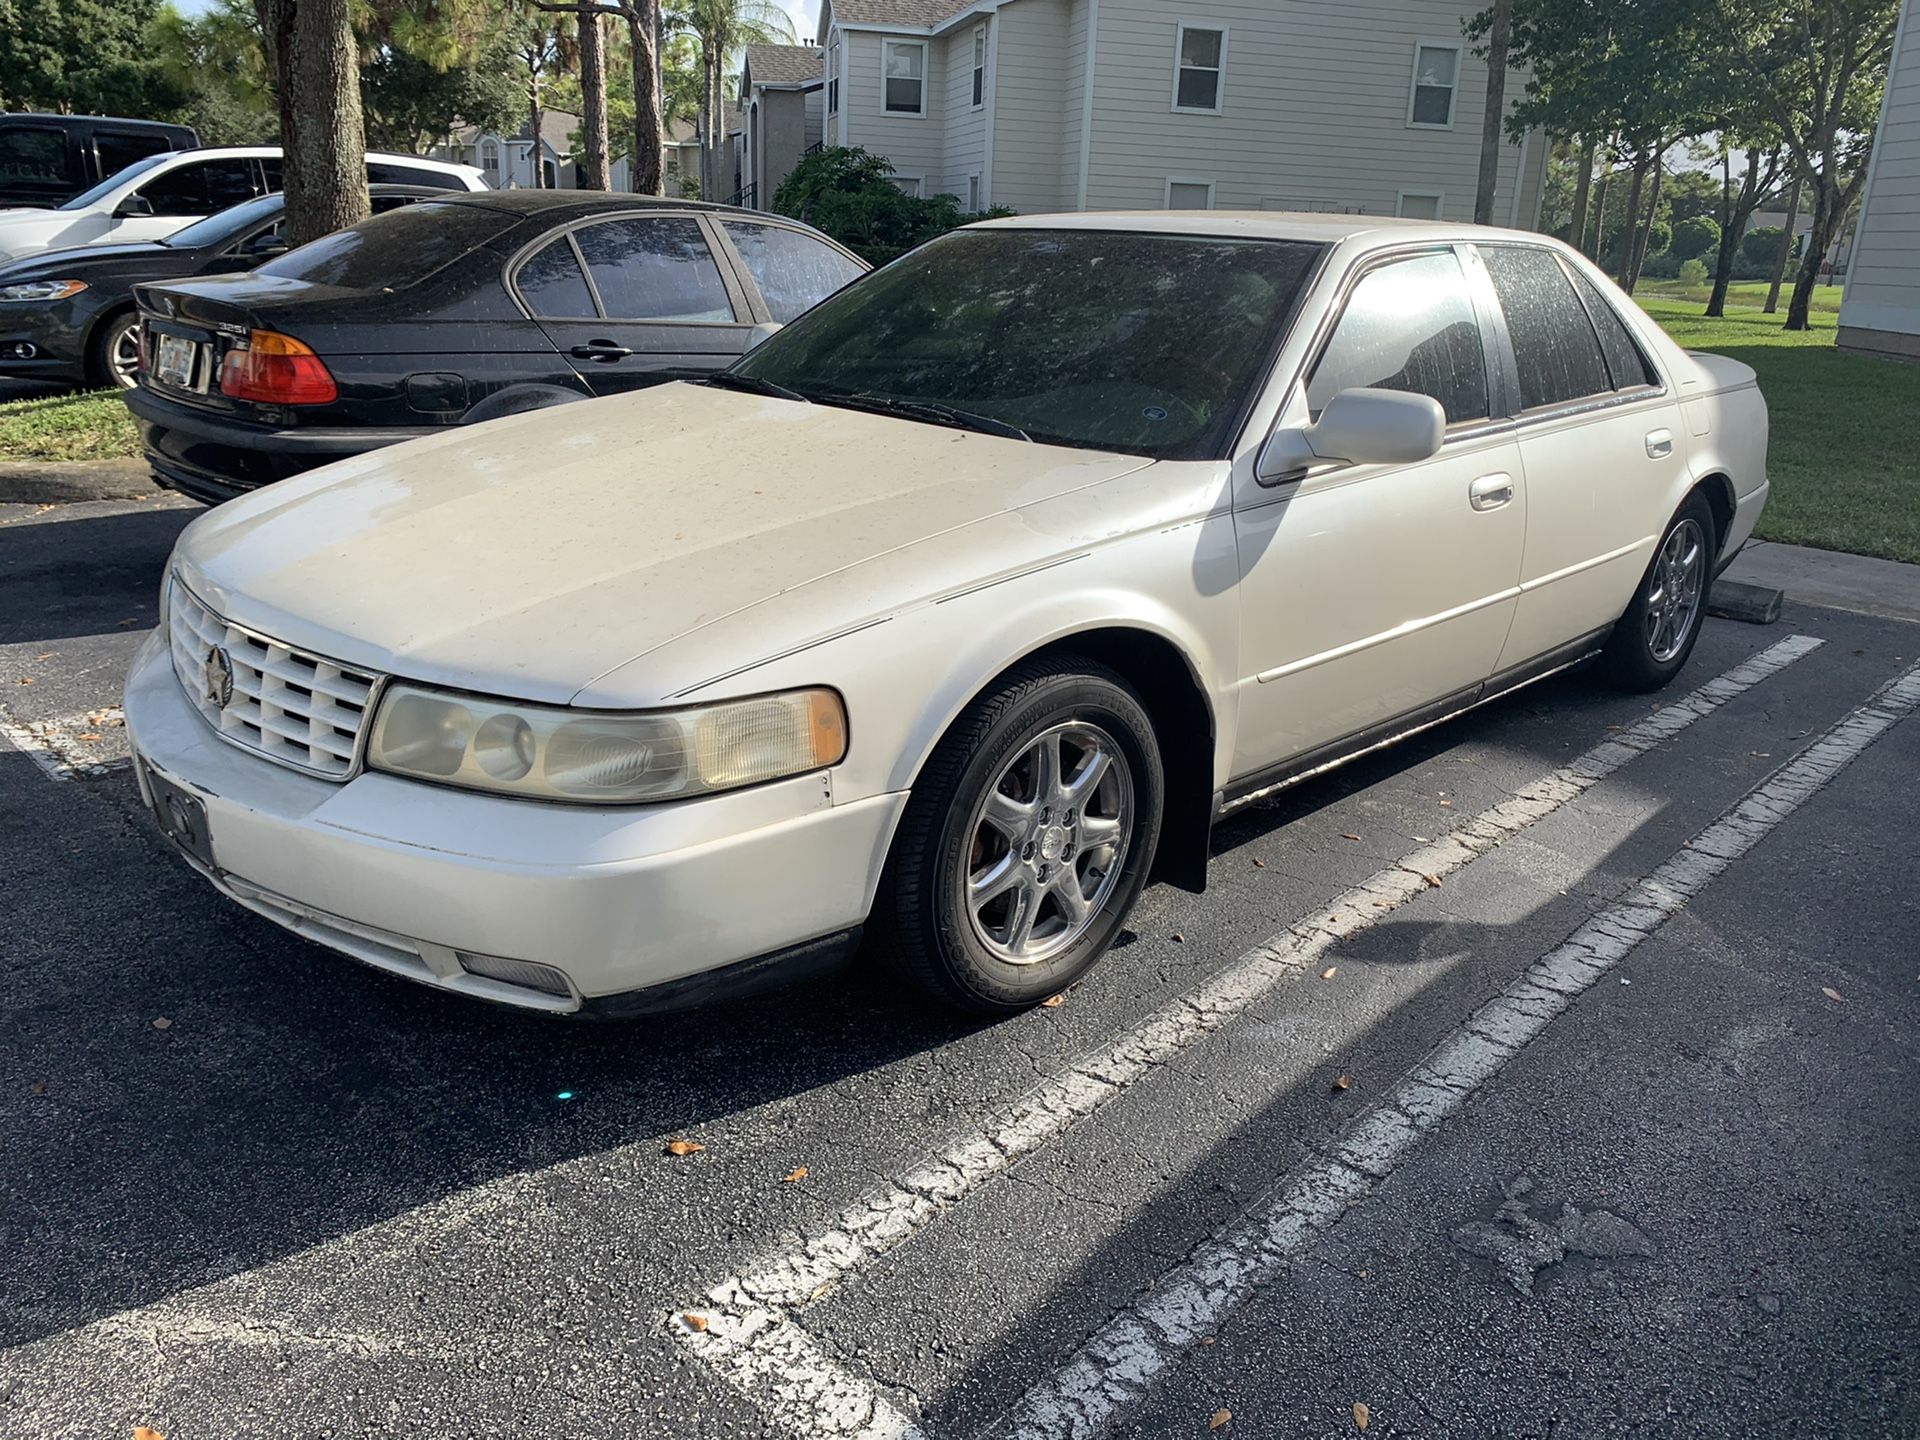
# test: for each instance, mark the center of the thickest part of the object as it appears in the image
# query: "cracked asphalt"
(321, 1202)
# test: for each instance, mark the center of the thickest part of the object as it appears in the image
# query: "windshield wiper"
(928, 410)
(752, 384)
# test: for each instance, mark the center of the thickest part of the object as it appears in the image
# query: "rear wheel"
(115, 360)
(1027, 840)
(1652, 641)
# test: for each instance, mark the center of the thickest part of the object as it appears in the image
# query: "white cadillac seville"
(953, 613)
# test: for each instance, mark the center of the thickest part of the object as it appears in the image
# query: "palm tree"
(723, 29)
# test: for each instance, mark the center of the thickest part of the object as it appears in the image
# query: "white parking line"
(51, 745)
(745, 1327)
(1119, 1365)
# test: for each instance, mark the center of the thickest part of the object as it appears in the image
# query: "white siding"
(1036, 107)
(966, 127)
(1883, 282)
(915, 144)
(1314, 113)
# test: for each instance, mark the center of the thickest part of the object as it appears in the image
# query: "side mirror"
(133, 207)
(761, 332)
(1358, 427)
(264, 247)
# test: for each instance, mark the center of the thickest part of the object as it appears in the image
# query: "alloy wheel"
(1678, 584)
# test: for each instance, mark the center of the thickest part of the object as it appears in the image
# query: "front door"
(1600, 437)
(1372, 593)
(636, 300)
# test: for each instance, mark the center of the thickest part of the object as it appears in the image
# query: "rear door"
(1600, 441)
(635, 300)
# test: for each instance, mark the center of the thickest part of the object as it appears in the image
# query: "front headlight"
(604, 757)
(42, 289)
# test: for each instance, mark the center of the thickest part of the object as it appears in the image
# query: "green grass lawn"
(1750, 293)
(1845, 430)
(93, 426)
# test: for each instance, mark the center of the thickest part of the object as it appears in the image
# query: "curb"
(65, 482)
(1737, 600)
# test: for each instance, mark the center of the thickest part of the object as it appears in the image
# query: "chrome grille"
(296, 708)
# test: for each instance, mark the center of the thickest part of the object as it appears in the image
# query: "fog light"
(524, 973)
(19, 350)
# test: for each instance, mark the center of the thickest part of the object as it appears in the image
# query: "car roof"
(1261, 225)
(10, 117)
(585, 202)
(263, 152)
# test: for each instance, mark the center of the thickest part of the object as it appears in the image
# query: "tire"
(1651, 642)
(113, 354)
(1071, 863)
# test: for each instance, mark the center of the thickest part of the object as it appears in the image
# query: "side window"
(117, 149)
(1553, 341)
(795, 272)
(31, 155)
(655, 270)
(272, 166)
(1408, 325)
(380, 172)
(202, 188)
(1626, 361)
(552, 285)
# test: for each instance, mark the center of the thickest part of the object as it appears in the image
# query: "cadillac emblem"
(219, 672)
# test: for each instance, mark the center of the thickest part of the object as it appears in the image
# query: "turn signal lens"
(42, 289)
(276, 369)
(605, 757)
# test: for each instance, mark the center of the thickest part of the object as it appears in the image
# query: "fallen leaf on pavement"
(163, 1023)
(817, 1292)
(1329, 972)
(51, 654)
(1178, 938)
(1054, 1002)
(1220, 1418)
(1343, 1082)
(1831, 993)
(684, 1147)
(1349, 837)
(1258, 863)
(1433, 880)
(799, 1172)
(1362, 1416)
(695, 1322)
(39, 1087)
(147, 1432)
(89, 736)
(24, 680)
(1207, 1340)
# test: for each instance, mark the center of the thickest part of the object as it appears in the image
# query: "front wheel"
(1651, 642)
(116, 351)
(1027, 840)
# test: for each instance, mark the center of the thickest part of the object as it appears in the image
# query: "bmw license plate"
(173, 360)
(182, 816)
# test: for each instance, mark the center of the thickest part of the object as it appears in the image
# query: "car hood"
(135, 255)
(532, 555)
(28, 232)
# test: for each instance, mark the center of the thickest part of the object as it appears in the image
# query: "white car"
(953, 613)
(162, 193)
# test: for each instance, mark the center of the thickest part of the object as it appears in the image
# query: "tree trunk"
(1599, 214)
(313, 61)
(1496, 109)
(535, 114)
(1786, 244)
(713, 184)
(593, 101)
(642, 28)
(1827, 208)
(1577, 224)
(1644, 233)
(1629, 231)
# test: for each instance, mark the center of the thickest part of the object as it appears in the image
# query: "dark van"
(48, 159)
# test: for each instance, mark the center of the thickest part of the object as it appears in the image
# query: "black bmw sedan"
(68, 316)
(453, 311)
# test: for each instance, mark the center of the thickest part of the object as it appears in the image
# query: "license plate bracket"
(174, 360)
(182, 817)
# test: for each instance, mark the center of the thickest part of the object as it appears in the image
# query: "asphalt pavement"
(1548, 1075)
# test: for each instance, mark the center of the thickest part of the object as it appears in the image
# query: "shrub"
(847, 192)
(1761, 247)
(1693, 273)
(1693, 237)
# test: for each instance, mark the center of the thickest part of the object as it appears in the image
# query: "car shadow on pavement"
(84, 574)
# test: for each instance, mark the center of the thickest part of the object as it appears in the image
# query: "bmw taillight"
(276, 369)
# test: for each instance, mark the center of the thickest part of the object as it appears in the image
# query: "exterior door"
(185, 193)
(637, 300)
(1602, 441)
(1372, 593)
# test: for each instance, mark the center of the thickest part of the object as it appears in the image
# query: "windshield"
(220, 228)
(395, 250)
(1139, 343)
(119, 177)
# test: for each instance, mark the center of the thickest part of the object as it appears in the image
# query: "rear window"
(33, 156)
(394, 251)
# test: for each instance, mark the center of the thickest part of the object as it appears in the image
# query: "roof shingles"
(783, 64)
(897, 12)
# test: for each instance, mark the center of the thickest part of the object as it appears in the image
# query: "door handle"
(1490, 492)
(602, 350)
(1659, 444)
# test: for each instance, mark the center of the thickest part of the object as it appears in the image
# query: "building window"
(1436, 71)
(909, 184)
(1199, 68)
(973, 194)
(1419, 204)
(1189, 194)
(903, 73)
(979, 66)
(490, 157)
(833, 76)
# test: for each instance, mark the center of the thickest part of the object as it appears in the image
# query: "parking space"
(1539, 1076)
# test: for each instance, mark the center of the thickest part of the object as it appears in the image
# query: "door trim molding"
(1398, 632)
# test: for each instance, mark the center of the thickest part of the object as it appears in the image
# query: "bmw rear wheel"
(1027, 839)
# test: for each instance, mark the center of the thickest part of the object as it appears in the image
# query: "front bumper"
(213, 457)
(402, 875)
